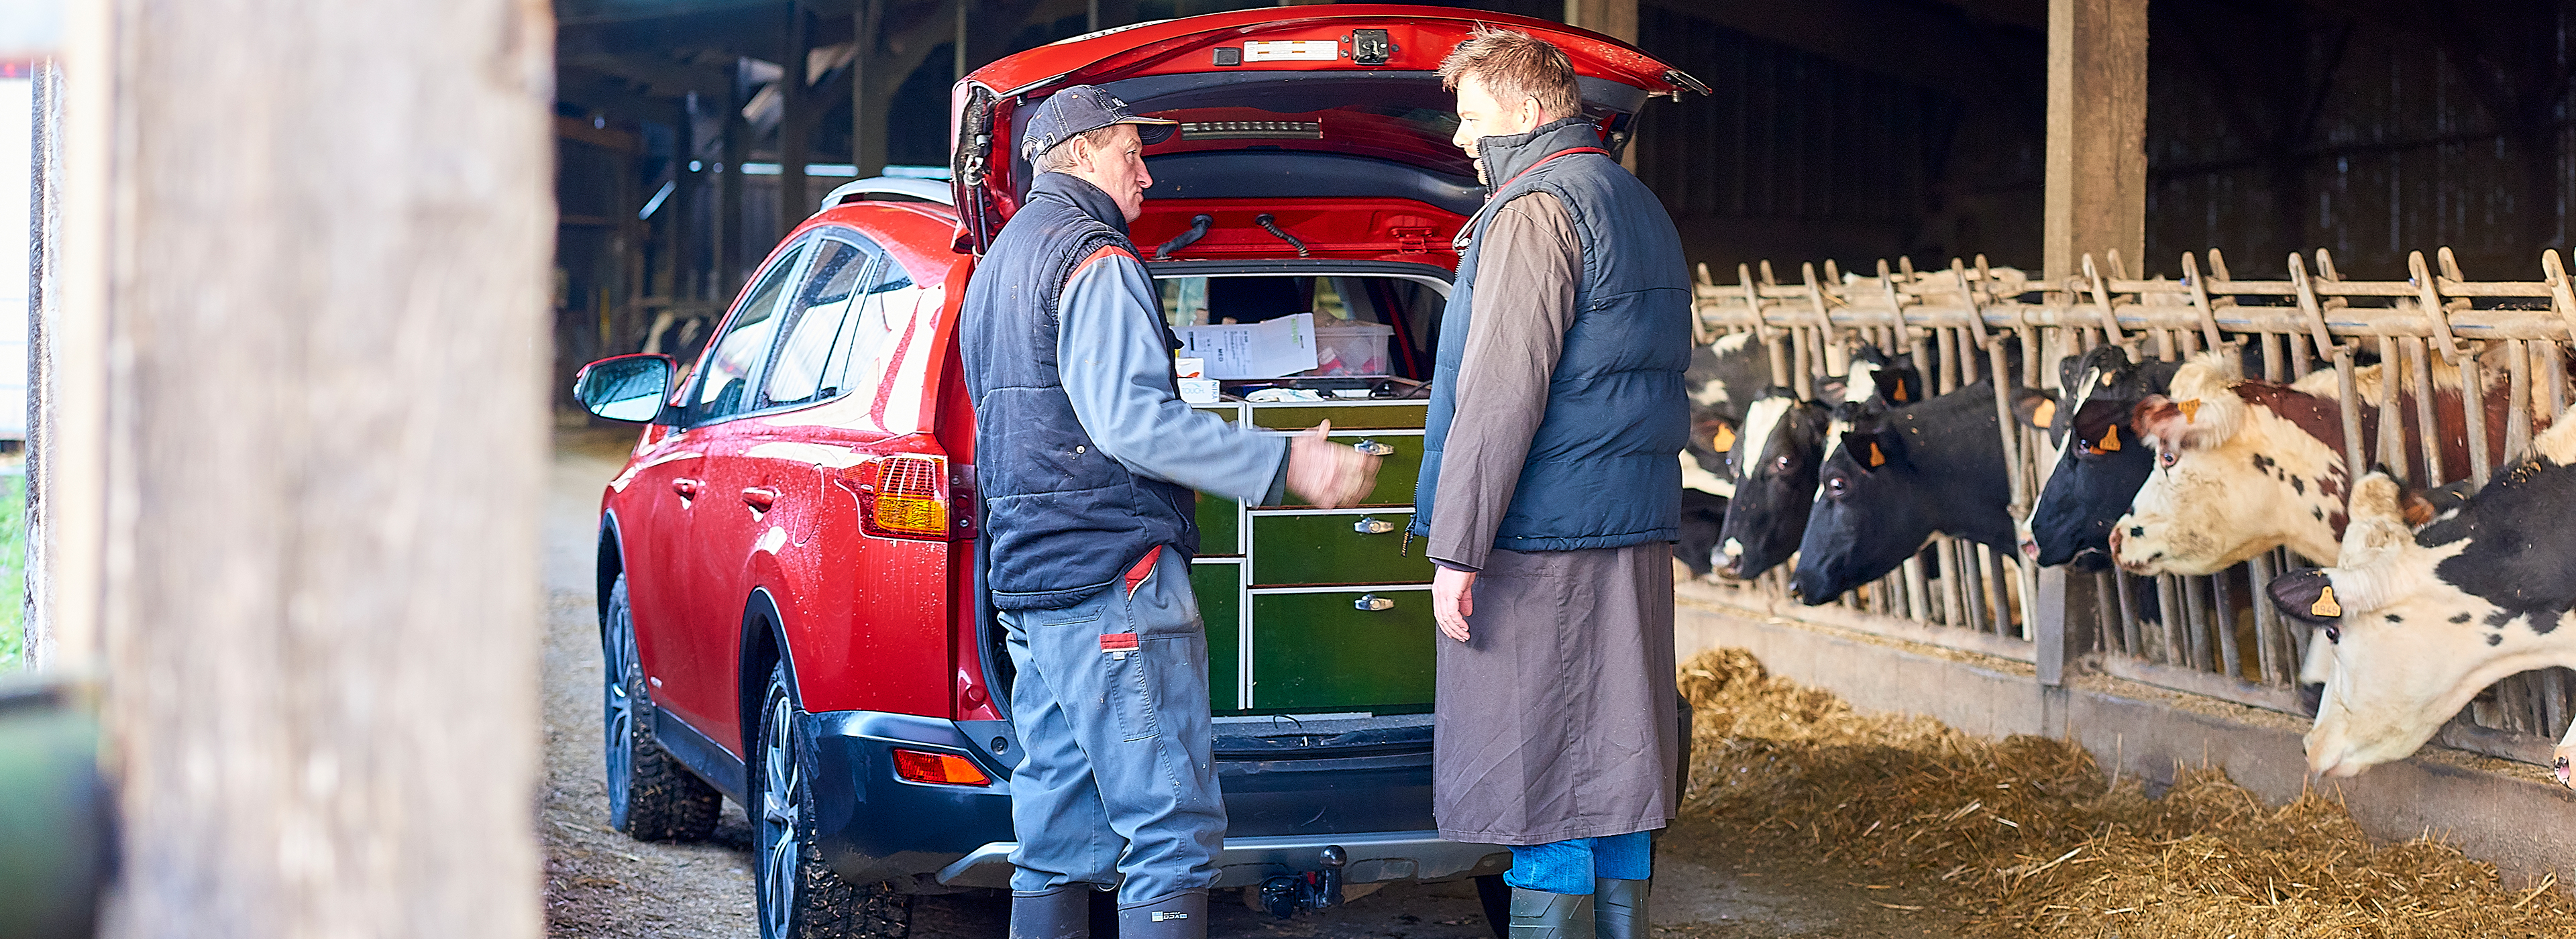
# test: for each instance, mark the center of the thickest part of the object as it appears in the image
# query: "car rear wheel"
(650, 795)
(800, 897)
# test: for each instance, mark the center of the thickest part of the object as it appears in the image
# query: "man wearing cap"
(1085, 460)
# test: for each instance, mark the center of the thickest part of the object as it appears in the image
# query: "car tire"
(651, 797)
(797, 895)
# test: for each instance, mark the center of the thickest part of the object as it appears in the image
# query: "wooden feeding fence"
(2214, 635)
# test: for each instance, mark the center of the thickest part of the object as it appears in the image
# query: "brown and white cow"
(2243, 467)
(2422, 618)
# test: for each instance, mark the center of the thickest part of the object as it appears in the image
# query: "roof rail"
(911, 189)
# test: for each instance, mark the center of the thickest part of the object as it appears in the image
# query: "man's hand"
(1453, 599)
(1328, 475)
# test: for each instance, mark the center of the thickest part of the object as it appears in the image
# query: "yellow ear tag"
(2044, 414)
(1723, 441)
(2326, 605)
(1899, 395)
(1876, 458)
(2111, 439)
(2189, 408)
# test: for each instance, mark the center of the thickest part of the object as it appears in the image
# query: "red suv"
(789, 558)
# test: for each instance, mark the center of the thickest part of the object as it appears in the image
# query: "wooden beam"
(1936, 47)
(2096, 189)
(321, 440)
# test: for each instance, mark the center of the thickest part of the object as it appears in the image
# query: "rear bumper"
(871, 826)
(1245, 862)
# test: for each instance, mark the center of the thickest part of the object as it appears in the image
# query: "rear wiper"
(1198, 229)
(1272, 225)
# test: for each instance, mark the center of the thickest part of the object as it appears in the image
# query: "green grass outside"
(13, 571)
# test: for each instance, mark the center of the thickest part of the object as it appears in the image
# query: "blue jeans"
(1571, 866)
(1116, 783)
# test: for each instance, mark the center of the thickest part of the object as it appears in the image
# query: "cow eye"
(1782, 462)
(1835, 486)
(2334, 635)
(2166, 458)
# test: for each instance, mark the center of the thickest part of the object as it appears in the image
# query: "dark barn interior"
(1851, 129)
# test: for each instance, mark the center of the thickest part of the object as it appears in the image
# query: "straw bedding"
(2024, 835)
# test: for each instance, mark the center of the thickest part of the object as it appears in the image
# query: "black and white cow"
(2100, 459)
(1900, 477)
(2422, 619)
(1724, 377)
(1785, 440)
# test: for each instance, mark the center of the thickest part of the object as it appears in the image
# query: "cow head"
(1775, 479)
(1871, 513)
(2239, 469)
(2101, 460)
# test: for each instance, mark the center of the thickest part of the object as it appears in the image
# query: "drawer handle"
(1372, 526)
(1373, 448)
(1372, 603)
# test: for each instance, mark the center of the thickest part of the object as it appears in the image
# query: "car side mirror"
(626, 387)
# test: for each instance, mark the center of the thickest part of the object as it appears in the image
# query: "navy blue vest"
(1061, 519)
(1603, 470)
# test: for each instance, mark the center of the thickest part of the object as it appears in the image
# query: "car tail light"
(909, 497)
(941, 769)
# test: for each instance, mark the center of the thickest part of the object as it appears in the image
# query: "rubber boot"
(1179, 915)
(1061, 913)
(1538, 914)
(1619, 909)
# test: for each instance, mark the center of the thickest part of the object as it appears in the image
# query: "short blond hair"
(1512, 65)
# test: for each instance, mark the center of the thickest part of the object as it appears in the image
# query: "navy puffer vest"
(1061, 519)
(1603, 470)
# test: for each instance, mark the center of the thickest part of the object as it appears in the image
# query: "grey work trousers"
(1116, 783)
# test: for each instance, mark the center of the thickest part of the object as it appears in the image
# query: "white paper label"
(1314, 50)
(1284, 346)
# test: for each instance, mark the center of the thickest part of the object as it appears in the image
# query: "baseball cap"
(1082, 109)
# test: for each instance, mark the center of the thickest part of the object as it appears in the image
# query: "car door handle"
(687, 488)
(760, 497)
(1372, 526)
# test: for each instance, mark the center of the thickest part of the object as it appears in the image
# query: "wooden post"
(730, 262)
(308, 247)
(867, 112)
(2097, 133)
(1613, 18)
(794, 119)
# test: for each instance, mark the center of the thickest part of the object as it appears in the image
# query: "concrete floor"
(600, 883)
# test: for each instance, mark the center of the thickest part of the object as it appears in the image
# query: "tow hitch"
(1286, 894)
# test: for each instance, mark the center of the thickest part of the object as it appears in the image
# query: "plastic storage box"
(1347, 348)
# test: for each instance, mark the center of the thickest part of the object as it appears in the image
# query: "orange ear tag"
(2326, 605)
(1899, 396)
(1876, 458)
(2111, 439)
(1723, 441)
(2189, 409)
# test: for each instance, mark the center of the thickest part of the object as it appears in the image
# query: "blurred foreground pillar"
(303, 350)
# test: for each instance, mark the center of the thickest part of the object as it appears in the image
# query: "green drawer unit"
(1220, 595)
(1396, 467)
(1317, 652)
(1356, 415)
(1220, 526)
(1330, 549)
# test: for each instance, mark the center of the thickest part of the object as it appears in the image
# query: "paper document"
(1273, 349)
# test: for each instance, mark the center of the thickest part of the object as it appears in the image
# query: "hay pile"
(2024, 835)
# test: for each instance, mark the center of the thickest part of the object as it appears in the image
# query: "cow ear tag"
(1876, 459)
(2189, 409)
(1899, 395)
(1723, 441)
(2110, 440)
(2326, 605)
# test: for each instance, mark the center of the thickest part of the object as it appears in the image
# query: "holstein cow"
(2244, 466)
(1785, 440)
(2100, 460)
(1724, 376)
(2423, 619)
(1900, 477)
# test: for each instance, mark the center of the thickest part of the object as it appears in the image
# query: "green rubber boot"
(1619, 909)
(1061, 913)
(1537, 914)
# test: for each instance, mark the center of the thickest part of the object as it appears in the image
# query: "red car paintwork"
(708, 520)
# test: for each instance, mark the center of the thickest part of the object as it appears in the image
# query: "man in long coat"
(1550, 493)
